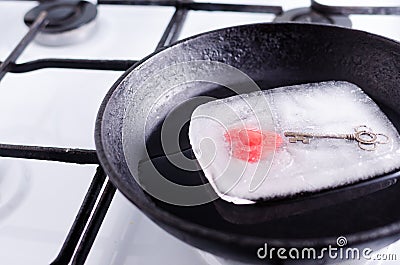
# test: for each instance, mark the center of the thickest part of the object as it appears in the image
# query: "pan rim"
(205, 232)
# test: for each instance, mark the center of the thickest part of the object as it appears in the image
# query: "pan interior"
(290, 54)
(326, 213)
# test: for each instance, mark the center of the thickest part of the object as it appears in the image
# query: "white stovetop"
(57, 107)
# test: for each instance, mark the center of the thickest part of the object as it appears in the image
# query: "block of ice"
(239, 141)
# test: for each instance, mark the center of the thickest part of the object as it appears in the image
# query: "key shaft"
(366, 139)
(301, 135)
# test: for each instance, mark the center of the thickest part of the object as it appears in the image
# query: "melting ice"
(239, 141)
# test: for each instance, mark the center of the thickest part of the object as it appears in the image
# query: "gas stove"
(59, 60)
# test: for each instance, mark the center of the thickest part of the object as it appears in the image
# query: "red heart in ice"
(252, 145)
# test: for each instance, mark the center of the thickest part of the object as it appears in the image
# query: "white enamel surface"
(57, 107)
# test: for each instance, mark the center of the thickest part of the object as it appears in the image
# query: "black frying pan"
(367, 213)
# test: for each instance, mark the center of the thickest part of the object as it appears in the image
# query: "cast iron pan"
(366, 213)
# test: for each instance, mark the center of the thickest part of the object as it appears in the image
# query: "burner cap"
(68, 21)
(310, 16)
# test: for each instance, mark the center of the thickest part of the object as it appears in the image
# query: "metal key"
(366, 139)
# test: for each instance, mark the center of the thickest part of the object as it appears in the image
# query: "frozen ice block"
(240, 145)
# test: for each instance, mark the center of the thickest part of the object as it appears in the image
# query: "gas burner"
(309, 15)
(69, 21)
